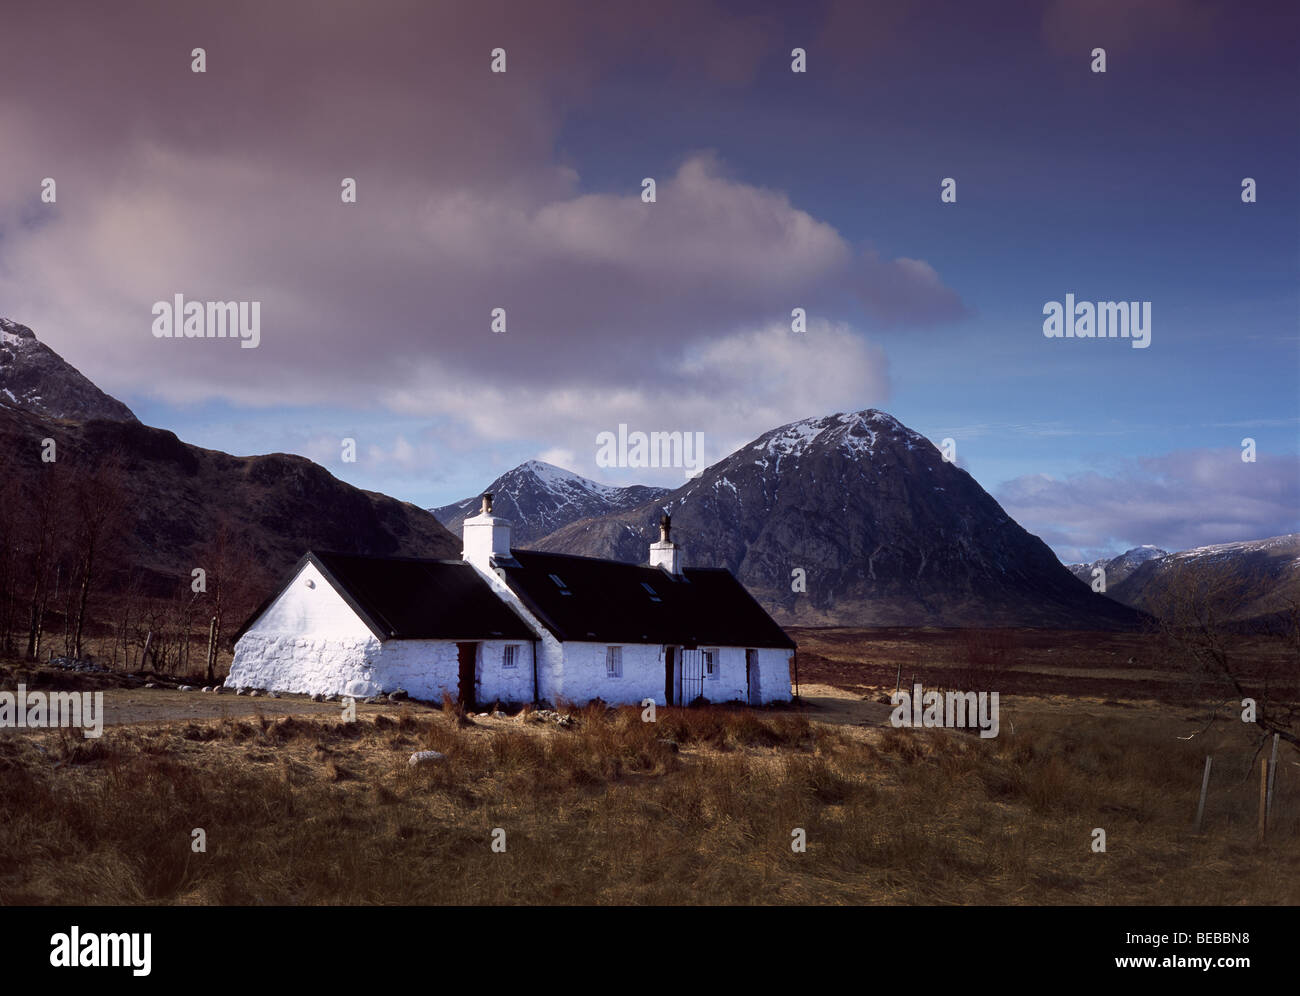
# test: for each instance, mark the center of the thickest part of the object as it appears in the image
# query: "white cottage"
(515, 626)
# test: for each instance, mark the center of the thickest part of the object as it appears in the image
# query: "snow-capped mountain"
(883, 529)
(1252, 579)
(35, 378)
(1118, 568)
(540, 498)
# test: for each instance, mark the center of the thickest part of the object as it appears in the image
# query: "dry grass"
(696, 808)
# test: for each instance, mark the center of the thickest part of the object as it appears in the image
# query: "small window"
(654, 596)
(710, 663)
(613, 662)
(508, 658)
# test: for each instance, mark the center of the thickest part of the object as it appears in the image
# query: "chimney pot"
(487, 503)
(665, 528)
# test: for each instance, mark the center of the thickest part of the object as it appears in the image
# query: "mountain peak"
(856, 432)
(539, 498)
(12, 330)
(35, 378)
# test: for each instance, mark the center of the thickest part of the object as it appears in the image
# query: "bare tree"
(232, 576)
(43, 529)
(1208, 618)
(10, 550)
(98, 506)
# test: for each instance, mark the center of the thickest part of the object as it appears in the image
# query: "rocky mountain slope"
(177, 496)
(35, 378)
(540, 498)
(884, 530)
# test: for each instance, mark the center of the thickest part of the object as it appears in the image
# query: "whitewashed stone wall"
(308, 640)
(305, 665)
(423, 668)
(498, 683)
(774, 675)
(428, 668)
(584, 676)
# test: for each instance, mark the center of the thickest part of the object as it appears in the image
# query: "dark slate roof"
(608, 603)
(409, 598)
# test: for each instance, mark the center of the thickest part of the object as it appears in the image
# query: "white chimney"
(485, 537)
(666, 553)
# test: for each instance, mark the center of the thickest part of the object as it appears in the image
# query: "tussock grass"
(698, 807)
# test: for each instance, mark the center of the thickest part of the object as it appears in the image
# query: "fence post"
(1263, 797)
(1205, 785)
(1272, 778)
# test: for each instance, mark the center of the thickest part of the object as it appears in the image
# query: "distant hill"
(1117, 568)
(1255, 577)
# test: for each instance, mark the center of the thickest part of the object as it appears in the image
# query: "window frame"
(614, 661)
(712, 663)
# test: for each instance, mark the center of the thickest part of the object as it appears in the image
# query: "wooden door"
(467, 691)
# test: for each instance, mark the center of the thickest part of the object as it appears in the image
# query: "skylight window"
(560, 584)
(654, 596)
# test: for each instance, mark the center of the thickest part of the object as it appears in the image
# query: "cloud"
(724, 388)
(225, 186)
(905, 292)
(1180, 500)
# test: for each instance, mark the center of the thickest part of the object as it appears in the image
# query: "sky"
(774, 190)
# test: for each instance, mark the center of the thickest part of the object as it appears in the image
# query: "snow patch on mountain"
(857, 433)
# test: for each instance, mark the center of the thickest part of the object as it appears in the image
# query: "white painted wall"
(428, 668)
(498, 683)
(305, 665)
(728, 682)
(584, 676)
(774, 674)
(308, 640)
(424, 668)
(310, 605)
